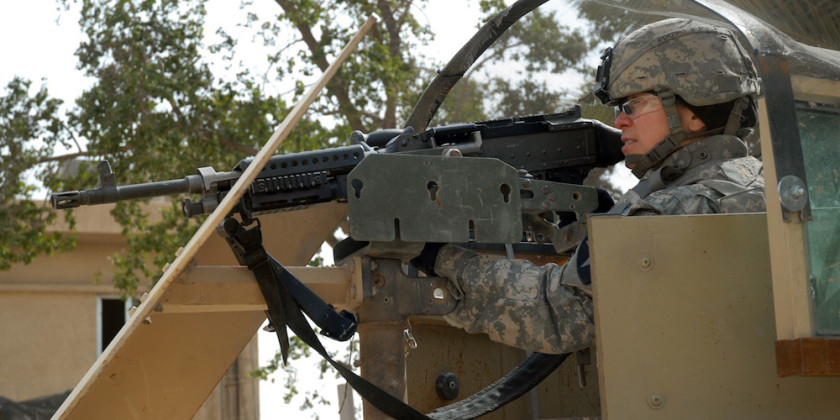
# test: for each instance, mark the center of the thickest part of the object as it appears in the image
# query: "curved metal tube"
(436, 92)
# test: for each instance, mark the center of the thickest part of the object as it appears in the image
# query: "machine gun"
(527, 165)
(499, 182)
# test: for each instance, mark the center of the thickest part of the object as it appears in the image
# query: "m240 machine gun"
(526, 165)
(489, 183)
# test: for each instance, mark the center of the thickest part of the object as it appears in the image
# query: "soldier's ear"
(691, 122)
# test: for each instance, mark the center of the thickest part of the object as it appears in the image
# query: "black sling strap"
(282, 292)
(288, 299)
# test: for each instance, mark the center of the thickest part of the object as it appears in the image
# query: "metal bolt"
(796, 191)
(793, 193)
(646, 263)
(378, 281)
(447, 386)
(656, 401)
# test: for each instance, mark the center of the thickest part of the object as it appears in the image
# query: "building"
(56, 318)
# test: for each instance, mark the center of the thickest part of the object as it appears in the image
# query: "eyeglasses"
(640, 105)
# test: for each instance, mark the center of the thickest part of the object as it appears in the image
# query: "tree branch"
(338, 87)
(393, 26)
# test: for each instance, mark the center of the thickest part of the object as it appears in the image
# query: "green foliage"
(29, 130)
(298, 350)
(540, 48)
(157, 109)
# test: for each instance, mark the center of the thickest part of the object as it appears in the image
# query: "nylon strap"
(284, 311)
(282, 292)
(667, 146)
(733, 123)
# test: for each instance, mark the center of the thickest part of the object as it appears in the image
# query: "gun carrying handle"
(465, 148)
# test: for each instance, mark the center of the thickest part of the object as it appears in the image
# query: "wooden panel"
(812, 356)
(163, 365)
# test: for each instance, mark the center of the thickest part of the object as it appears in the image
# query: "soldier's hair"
(715, 116)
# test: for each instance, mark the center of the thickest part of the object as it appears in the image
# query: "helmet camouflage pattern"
(703, 64)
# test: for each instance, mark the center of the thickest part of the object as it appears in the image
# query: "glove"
(605, 201)
(425, 262)
(347, 247)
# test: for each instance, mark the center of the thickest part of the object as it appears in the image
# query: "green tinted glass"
(819, 128)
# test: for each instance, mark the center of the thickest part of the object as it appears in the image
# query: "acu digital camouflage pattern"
(701, 63)
(548, 309)
(713, 175)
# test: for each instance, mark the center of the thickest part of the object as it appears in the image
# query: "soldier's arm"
(547, 308)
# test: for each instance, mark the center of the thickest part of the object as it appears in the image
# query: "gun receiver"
(558, 147)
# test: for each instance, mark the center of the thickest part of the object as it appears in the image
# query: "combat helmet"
(701, 63)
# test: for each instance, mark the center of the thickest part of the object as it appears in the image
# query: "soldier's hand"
(605, 201)
(425, 262)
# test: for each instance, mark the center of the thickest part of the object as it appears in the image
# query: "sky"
(38, 43)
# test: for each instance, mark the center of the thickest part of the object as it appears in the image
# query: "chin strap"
(671, 143)
(667, 146)
(733, 124)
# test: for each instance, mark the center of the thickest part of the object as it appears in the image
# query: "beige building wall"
(48, 321)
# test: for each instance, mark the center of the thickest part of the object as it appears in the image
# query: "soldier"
(685, 95)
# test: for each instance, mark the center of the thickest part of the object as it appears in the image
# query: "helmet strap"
(733, 124)
(667, 146)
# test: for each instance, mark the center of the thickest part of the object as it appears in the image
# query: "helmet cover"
(701, 63)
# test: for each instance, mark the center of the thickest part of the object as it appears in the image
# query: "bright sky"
(38, 43)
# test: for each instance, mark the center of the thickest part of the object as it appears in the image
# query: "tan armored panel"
(685, 322)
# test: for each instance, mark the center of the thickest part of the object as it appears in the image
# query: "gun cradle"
(420, 198)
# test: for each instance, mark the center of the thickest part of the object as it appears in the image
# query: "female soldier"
(685, 95)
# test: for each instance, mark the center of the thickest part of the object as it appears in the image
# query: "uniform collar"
(683, 160)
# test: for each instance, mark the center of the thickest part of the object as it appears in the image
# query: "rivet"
(656, 401)
(378, 281)
(646, 263)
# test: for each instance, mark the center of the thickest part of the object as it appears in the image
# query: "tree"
(29, 129)
(154, 94)
(157, 110)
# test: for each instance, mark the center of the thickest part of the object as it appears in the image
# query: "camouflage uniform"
(549, 308)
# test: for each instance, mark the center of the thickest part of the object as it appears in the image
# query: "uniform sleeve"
(688, 199)
(539, 308)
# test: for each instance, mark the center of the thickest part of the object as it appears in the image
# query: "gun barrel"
(102, 195)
